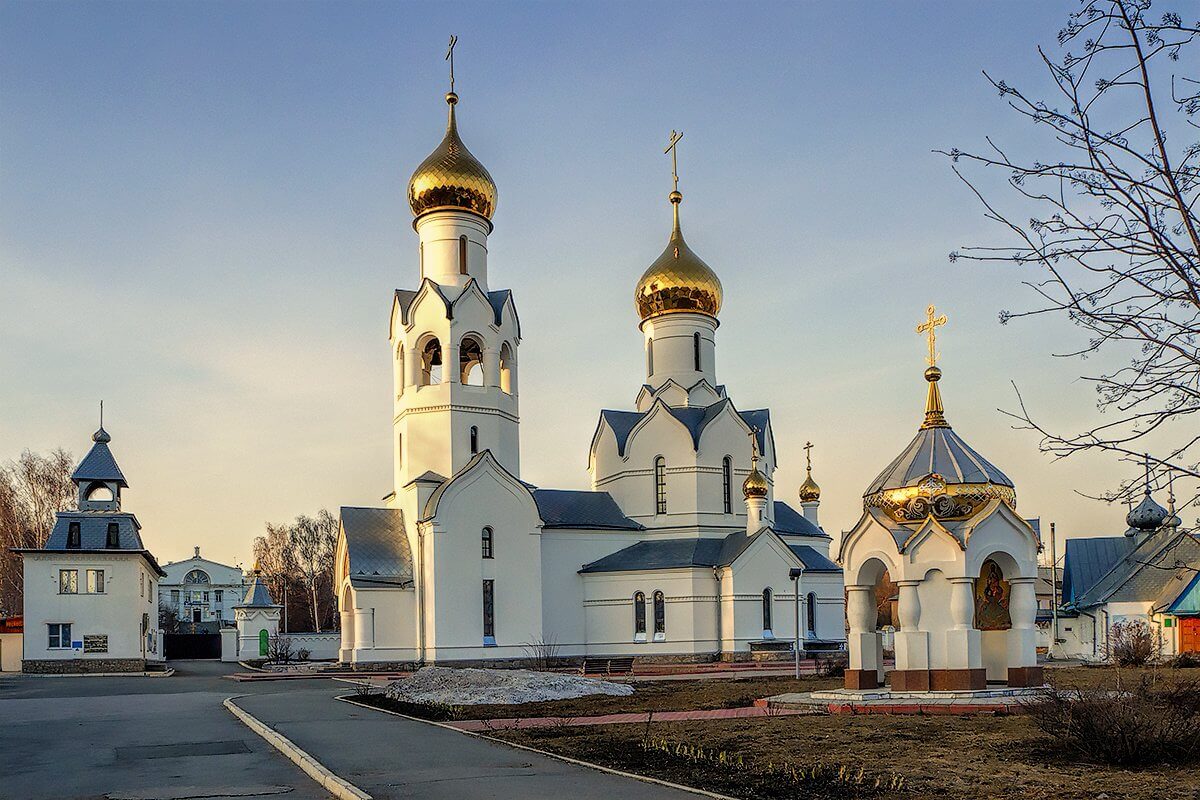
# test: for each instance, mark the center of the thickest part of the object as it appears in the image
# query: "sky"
(203, 218)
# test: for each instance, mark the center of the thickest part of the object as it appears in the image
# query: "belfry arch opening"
(431, 362)
(506, 369)
(470, 362)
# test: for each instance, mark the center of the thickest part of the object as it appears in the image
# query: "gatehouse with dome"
(683, 547)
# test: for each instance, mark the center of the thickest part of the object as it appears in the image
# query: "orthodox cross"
(450, 58)
(808, 446)
(929, 327)
(754, 446)
(101, 413)
(671, 148)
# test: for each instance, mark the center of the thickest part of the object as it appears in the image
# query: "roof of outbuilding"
(812, 560)
(1187, 602)
(937, 450)
(568, 508)
(93, 530)
(790, 522)
(1152, 572)
(1088, 560)
(695, 419)
(257, 595)
(99, 465)
(377, 546)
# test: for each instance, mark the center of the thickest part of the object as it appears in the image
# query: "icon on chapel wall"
(991, 599)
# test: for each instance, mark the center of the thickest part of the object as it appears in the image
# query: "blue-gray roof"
(257, 595)
(93, 530)
(567, 508)
(939, 450)
(790, 522)
(1152, 571)
(99, 465)
(811, 559)
(1088, 560)
(675, 554)
(694, 419)
(377, 546)
(496, 299)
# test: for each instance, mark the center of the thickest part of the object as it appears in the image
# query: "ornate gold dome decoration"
(934, 497)
(755, 484)
(451, 177)
(678, 280)
(809, 491)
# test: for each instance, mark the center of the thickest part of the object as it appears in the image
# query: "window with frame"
(112, 539)
(810, 604)
(219, 595)
(68, 581)
(474, 440)
(141, 584)
(727, 484)
(660, 485)
(488, 538)
(59, 636)
(650, 357)
(175, 597)
(462, 255)
(660, 616)
(489, 612)
(74, 536)
(95, 581)
(696, 351)
(766, 610)
(639, 616)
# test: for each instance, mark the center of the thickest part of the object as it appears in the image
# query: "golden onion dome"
(678, 280)
(755, 484)
(809, 491)
(451, 177)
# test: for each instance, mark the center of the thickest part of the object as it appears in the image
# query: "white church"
(680, 550)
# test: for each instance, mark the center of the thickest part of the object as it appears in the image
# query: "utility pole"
(1053, 593)
(796, 575)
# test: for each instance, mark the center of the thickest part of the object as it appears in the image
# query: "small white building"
(202, 591)
(91, 594)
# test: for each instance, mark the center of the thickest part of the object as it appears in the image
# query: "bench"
(607, 666)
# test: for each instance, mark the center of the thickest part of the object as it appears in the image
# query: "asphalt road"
(138, 738)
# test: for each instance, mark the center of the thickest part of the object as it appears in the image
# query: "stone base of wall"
(82, 666)
(909, 680)
(957, 680)
(1025, 676)
(862, 679)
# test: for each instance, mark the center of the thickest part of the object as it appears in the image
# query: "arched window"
(766, 609)
(727, 484)
(196, 576)
(431, 363)
(506, 368)
(99, 492)
(639, 617)
(660, 616)
(474, 440)
(696, 351)
(649, 357)
(399, 370)
(399, 450)
(810, 607)
(660, 485)
(489, 543)
(470, 362)
(462, 255)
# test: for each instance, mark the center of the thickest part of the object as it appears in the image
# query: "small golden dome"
(678, 280)
(809, 491)
(451, 177)
(755, 484)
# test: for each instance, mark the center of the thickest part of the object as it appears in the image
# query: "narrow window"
(470, 362)
(660, 485)
(488, 543)
(60, 635)
(400, 450)
(422, 260)
(650, 357)
(639, 617)
(206, 598)
(766, 609)
(811, 609)
(506, 369)
(727, 484)
(696, 350)
(220, 596)
(95, 581)
(660, 616)
(474, 440)
(141, 584)
(489, 611)
(73, 536)
(174, 597)
(400, 378)
(68, 581)
(462, 255)
(113, 540)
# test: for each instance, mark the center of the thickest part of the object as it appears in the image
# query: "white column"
(810, 511)
(491, 367)
(1022, 637)
(364, 634)
(912, 643)
(863, 641)
(755, 506)
(963, 643)
(450, 365)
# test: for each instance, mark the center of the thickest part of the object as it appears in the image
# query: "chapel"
(681, 548)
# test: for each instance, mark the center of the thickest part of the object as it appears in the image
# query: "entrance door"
(1189, 634)
(195, 615)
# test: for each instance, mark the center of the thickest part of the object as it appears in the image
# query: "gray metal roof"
(694, 419)
(378, 547)
(676, 553)
(428, 476)
(790, 522)
(567, 508)
(496, 299)
(811, 559)
(93, 530)
(99, 465)
(1086, 561)
(1154, 571)
(939, 450)
(257, 595)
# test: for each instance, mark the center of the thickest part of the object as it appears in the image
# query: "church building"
(680, 549)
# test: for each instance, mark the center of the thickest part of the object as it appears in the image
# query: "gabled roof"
(677, 553)
(694, 418)
(1187, 603)
(567, 508)
(496, 299)
(790, 522)
(1150, 572)
(1088, 560)
(811, 559)
(377, 547)
(99, 465)
(428, 476)
(257, 595)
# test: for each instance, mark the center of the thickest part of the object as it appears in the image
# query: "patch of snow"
(471, 686)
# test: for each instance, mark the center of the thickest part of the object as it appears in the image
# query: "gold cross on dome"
(671, 148)
(929, 327)
(450, 58)
(808, 446)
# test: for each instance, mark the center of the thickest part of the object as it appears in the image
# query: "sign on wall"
(95, 644)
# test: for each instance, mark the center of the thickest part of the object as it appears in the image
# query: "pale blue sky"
(202, 218)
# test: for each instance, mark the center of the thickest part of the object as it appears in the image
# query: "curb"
(336, 786)
(547, 753)
(166, 673)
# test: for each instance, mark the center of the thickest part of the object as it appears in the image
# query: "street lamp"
(797, 576)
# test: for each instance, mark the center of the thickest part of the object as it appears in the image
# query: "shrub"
(303, 654)
(1131, 643)
(1185, 661)
(279, 649)
(1156, 721)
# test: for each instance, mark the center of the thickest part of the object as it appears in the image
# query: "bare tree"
(1106, 214)
(313, 540)
(32, 489)
(168, 618)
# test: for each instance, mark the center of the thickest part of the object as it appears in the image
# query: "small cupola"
(98, 478)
